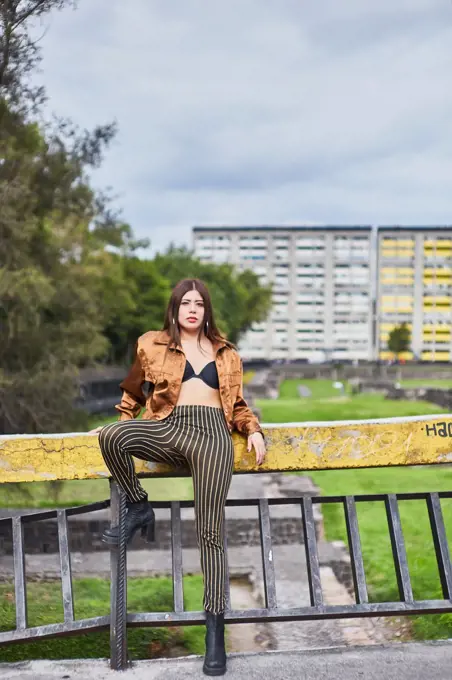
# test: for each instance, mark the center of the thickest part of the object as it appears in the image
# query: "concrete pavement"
(402, 661)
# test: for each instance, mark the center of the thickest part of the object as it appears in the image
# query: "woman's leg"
(145, 439)
(211, 459)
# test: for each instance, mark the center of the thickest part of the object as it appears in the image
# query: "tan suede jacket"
(160, 368)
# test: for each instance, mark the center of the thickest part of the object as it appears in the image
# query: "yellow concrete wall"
(294, 446)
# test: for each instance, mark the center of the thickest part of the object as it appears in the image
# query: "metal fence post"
(118, 586)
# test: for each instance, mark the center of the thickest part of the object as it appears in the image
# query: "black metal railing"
(317, 608)
(23, 632)
(120, 619)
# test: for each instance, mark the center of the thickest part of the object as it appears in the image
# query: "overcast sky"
(262, 112)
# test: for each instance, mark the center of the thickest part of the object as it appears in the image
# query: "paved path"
(426, 661)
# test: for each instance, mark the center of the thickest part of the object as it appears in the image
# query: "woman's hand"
(256, 439)
(98, 429)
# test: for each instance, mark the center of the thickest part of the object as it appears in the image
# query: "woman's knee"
(212, 538)
(106, 435)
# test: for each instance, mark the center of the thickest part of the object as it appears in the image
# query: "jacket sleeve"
(133, 398)
(242, 416)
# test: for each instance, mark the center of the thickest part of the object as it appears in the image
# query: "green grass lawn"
(326, 404)
(92, 598)
(82, 492)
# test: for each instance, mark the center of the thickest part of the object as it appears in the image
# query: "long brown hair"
(172, 312)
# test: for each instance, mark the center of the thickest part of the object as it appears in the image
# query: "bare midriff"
(196, 392)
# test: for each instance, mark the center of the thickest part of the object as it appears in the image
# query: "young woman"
(194, 400)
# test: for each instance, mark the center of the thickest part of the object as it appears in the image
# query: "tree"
(53, 265)
(149, 292)
(19, 54)
(399, 339)
(60, 281)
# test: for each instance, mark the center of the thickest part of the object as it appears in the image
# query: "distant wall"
(437, 396)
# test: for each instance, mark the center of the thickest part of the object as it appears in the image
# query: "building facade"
(323, 288)
(415, 287)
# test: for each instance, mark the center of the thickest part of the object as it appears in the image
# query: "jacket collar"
(163, 337)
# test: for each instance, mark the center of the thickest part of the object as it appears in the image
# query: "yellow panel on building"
(397, 281)
(438, 331)
(439, 274)
(398, 243)
(389, 326)
(442, 356)
(437, 243)
(394, 271)
(441, 300)
(436, 356)
(397, 254)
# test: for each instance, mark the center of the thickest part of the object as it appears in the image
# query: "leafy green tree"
(59, 242)
(149, 293)
(53, 263)
(19, 54)
(399, 339)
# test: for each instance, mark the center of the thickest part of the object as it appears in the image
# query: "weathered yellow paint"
(294, 446)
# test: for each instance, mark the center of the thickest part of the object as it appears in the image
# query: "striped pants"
(195, 435)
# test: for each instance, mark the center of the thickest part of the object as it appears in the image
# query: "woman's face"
(191, 312)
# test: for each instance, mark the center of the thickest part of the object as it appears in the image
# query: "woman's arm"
(133, 398)
(243, 418)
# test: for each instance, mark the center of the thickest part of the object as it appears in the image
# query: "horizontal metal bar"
(295, 500)
(232, 502)
(52, 514)
(366, 610)
(55, 630)
(234, 616)
(367, 498)
(91, 507)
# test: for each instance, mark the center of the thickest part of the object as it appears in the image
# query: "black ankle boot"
(139, 516)
(215, 659)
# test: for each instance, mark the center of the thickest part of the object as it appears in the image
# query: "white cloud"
(256, 112)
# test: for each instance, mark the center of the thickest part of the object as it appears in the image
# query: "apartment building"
(415, 286)
(322, 281)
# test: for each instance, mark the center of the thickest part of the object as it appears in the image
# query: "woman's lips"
(192, 320)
